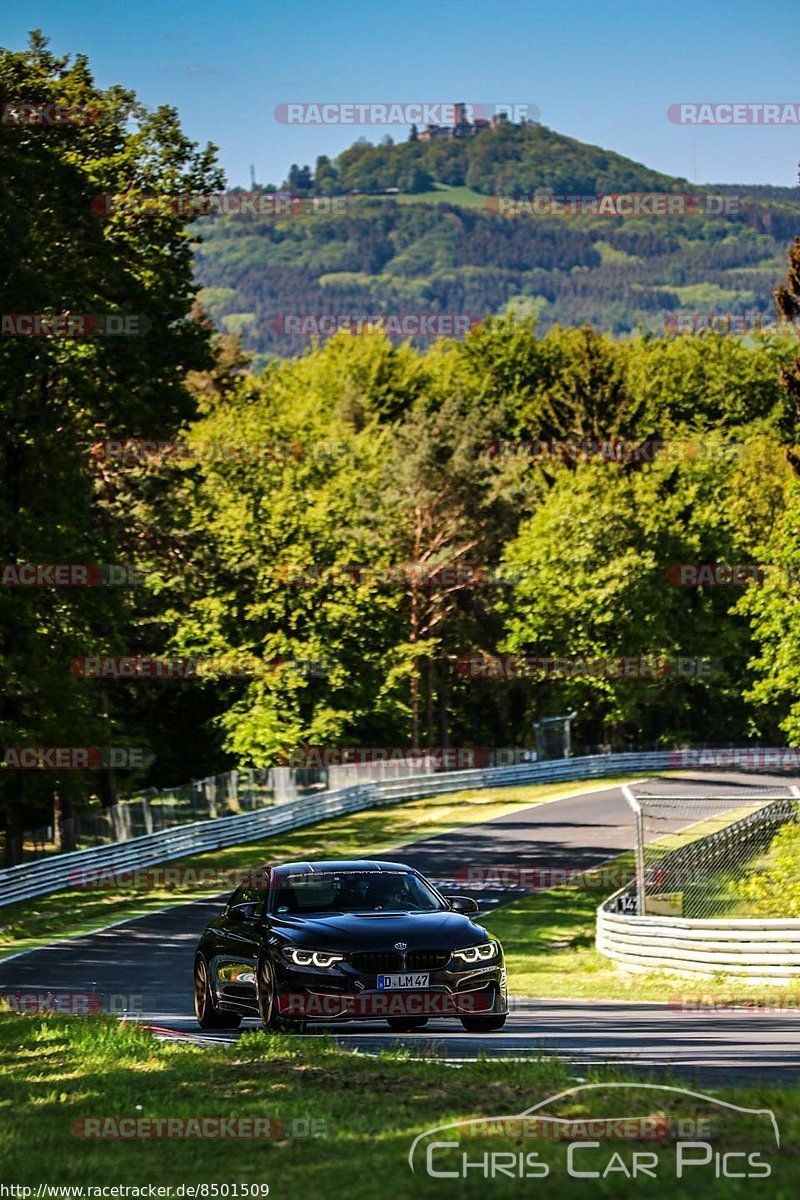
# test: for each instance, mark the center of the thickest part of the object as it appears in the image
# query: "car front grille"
(427, 960)
(374, 961)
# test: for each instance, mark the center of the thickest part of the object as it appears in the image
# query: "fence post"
(640, 881)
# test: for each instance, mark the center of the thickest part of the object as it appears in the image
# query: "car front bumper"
(349, 995)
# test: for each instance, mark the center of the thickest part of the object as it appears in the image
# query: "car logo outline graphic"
(587, 1087)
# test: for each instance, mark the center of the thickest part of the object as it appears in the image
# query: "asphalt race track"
(146, 964)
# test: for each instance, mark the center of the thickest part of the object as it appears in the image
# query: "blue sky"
(602, 72)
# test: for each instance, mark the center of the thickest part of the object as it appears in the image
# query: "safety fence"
(155, 810)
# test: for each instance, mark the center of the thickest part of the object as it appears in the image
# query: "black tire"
(484, 1024)
(206, 1011)
(406, 1024)
(271, 1020)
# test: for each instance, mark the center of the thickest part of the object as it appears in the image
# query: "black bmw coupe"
(344, 941)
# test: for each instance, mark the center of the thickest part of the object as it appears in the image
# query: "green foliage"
(596, 557)
(413, 482)
(60, 395)
(773, 615)
(508, 159)
(441, 226)
(771, 888)
(622, 275)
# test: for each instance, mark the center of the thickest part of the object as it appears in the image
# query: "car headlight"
(312, 958)
(474, 954)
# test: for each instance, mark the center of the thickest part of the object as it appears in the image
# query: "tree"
(595, 562)
(299, 180)
(448, 508)
(772, 608)
(772, 612)
(65, 253)
(280, 550)
(414, 179)
(325, 177)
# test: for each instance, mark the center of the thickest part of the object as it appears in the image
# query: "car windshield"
(354, 892)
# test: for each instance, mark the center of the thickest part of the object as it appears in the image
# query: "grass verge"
(443, 194)
(366, 1112)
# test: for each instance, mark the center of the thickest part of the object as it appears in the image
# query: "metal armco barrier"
(53, 874)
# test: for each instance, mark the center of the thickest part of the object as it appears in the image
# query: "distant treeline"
(615, 273)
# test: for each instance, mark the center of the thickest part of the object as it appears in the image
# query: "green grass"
(609, 254)
(443, 195)
(73, 912)
(368, 1111)
(549, 937)
(709, 297)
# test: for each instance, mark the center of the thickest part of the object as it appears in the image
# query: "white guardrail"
(53, 874)
(756, 949)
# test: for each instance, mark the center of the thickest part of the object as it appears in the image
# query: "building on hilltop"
(462, 127)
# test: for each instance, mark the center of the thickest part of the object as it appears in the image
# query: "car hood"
(379, 931)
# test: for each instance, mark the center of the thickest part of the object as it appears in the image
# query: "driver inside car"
(391, 893)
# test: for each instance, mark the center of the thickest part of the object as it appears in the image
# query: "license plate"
(398, 982)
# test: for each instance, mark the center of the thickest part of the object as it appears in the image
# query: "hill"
(417, 230)
(504, 158)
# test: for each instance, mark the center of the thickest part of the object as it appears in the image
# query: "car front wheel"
(271, 1020)
(208, 1015)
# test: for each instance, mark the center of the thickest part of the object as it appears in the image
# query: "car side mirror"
(243, 912)
(463, 904)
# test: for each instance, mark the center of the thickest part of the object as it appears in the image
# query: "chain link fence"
(698, 855)
(240, 791)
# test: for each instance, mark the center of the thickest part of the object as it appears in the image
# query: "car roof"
(340, 864)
